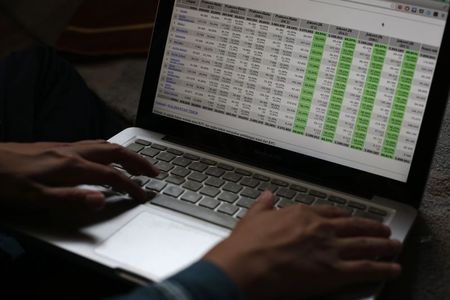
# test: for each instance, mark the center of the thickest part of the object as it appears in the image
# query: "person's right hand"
(44, 176)
(302, 251)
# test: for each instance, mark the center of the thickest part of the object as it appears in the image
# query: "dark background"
(118, 80)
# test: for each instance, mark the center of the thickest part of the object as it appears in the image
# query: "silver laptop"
(333, 102)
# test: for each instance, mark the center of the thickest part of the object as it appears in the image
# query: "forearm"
(202, 280)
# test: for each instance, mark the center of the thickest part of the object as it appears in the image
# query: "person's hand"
(301, 251)
(45, 176)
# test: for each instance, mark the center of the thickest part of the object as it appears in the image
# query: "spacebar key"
(194, 211)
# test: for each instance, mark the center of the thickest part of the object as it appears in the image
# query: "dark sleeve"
(201, 281)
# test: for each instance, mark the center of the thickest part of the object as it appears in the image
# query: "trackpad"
(157, 247)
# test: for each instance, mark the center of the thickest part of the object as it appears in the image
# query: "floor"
(118, 82)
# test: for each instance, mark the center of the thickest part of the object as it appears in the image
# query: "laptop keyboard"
(222, 194)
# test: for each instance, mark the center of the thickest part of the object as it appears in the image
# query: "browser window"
(345, 81)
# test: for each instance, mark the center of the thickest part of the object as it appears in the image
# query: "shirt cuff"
(204, 280)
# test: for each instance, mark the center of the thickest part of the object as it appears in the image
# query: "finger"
(86, 172)
(353, 227)
(106, 153)
(328, 211)
(368, 271)
(71, 200)
(264, 202)
(367, 248)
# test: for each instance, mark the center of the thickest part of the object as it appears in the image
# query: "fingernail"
(95, 201)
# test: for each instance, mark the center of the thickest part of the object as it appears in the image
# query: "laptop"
(333, 102)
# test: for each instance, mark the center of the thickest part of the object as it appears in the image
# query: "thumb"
(72, 199)
(264, 202)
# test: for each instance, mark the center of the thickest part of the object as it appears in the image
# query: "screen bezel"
(290, 163)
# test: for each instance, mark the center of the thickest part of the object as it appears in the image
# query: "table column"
(398, 110)
(184, 60)
(312, 73)
(383, 103)
(228, 74)
(340, 83)
(322, 94)
(417, 102)
(370, 90)
(293, 65)
(353, 94)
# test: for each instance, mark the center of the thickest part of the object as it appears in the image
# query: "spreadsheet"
(354, 89)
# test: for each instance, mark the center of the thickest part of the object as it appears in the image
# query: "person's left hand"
(45, 176)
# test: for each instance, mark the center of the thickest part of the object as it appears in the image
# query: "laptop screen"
(346, 81)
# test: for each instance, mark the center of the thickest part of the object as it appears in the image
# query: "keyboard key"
(191, 197)
(243, 172)
(124, 172)
(209, 203)
(173, 191)
(210, 191)
(179, 171)
(267, 186)
(367, 215)
(175, 151)
(280, 183)
(140, 180)
(215, 182)
(198, 166)
(228, 197)
(286, 193)
(337, 199)
(177, 180)
(349, 210)
(191, 156)
(195, 211)
(250, 182)
(233, 177)
(241, 213)
(317, 194)
(378, 211)
(209, 162)
(228, 209)
(261, 177)
(250, 193)
(192, 185)
(232, 187)
(283, 203)
(166, 156)
(151, 160)
(156, 185)
(225, 167)
(357, 205)
(214, 171)
(159, 147)
(181, 161)
(323, 202)
(142, 142)
(162, 176)
(298, 188)
(163, 166)
(135, 147)
(150, 152)
(305, 199)
(245, 202)
(199, 177)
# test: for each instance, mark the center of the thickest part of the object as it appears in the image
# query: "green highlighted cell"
(400, 102)
(338, 91)
(368, 99)
(309, 84)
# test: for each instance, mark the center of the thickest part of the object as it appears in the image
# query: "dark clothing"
(42, 98)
